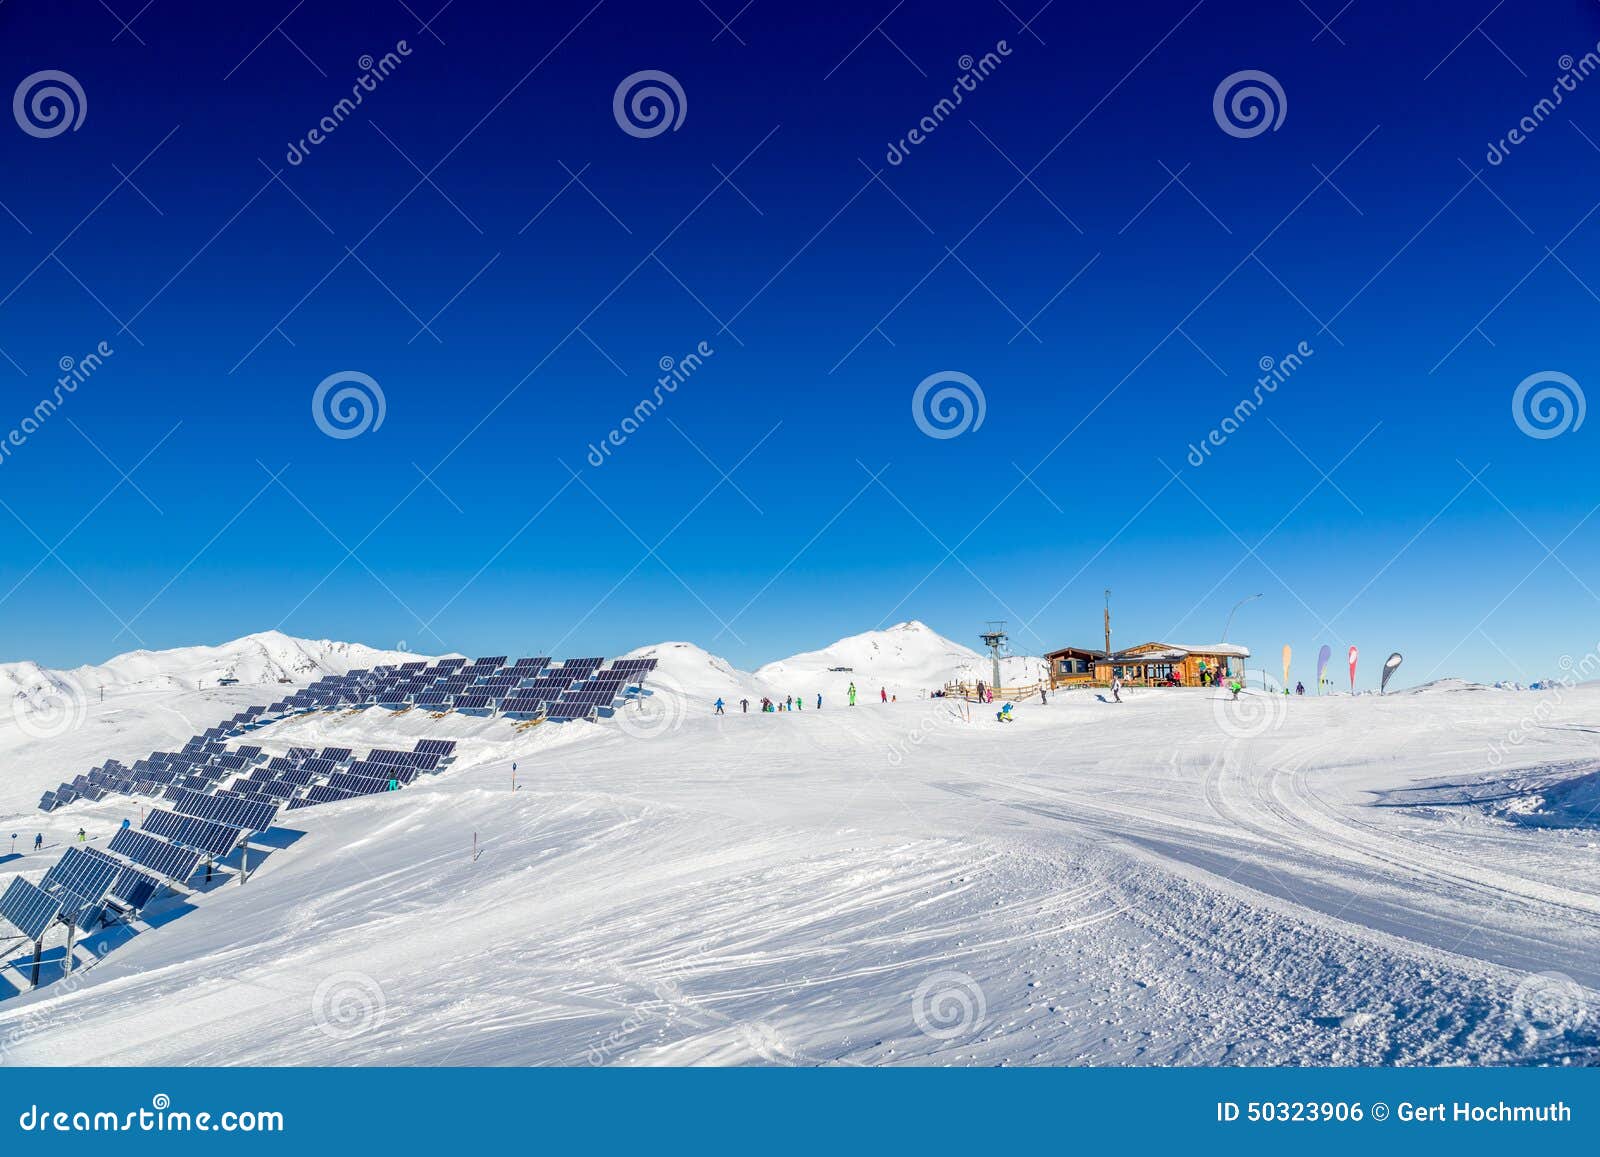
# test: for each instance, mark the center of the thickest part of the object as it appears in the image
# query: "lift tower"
(995, 639)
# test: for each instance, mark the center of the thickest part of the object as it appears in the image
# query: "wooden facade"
(1073, 666)
(1170, 665)
(1152, 664)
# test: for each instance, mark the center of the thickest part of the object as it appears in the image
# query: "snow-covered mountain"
(267, 657)
(908, 659)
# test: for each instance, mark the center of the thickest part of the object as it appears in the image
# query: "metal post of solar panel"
(66, 961)
(38, 957)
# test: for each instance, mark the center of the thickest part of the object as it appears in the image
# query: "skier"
(1299, 688)
(744, 706)
(38, 841)
(1004, 714)
(980, 691)
(82, 835)
(799, 702)
(1116, 688)
(394, 784)
(1233, 685)
(819, 700)
(788, 702)
(883, 694)
(719, 706)
(1042, 698)
(852, 694)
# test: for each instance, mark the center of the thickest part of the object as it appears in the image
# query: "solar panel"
(337, 754)
(134, 888)
(29, 909)
(299, 777)
(317, 766)
(302, 752)
(472, 702)
(157, 855)
(323, 794)
(83, 871)
(385, 755)
(358, 784)
(162, 823)
(47, 802)
(228, 808)
(206, 836)
(435, 746)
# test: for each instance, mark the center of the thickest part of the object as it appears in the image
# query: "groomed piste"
(1179, 878)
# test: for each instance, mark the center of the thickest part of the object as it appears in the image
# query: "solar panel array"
(30, 909)
(219, 796)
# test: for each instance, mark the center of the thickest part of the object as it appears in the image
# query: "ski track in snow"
(1092, 884)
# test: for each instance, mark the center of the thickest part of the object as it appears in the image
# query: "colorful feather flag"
(1322, 664)
(1390, 666)
(1353, 653)
(1286, 664)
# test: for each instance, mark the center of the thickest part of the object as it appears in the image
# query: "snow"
(1176, 879)
(908, 660)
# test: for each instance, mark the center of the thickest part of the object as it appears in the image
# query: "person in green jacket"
(852, 694)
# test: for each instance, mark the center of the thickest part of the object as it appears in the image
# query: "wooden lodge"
(1147, 665)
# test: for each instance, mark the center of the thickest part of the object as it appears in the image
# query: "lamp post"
(1229, 625)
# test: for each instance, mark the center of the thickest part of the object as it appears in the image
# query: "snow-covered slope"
(1179, 878)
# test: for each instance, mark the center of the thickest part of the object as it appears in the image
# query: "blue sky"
(1080, 237)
